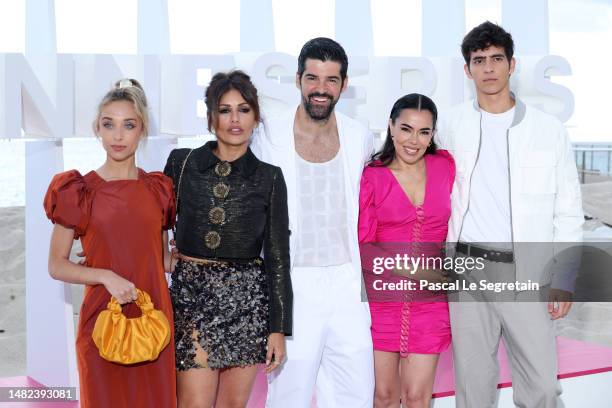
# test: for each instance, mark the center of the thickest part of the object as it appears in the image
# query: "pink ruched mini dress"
(386, 214)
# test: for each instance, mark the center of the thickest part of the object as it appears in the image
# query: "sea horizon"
(85, 154)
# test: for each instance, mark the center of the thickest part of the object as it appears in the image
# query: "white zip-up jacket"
(545, 198)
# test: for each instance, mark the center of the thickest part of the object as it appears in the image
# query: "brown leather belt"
(201, 261)
(205, 261)
(491, 255)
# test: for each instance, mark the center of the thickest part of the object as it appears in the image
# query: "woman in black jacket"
(232, 309)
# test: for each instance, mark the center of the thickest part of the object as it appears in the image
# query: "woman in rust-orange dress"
(121, 222)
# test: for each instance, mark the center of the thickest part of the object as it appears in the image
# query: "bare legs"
(204, 387)
(226, 388)
(386, 370)
(409, 379)
(418, 372)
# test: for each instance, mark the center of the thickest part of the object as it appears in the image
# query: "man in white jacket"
(322, 154)
(516, 183)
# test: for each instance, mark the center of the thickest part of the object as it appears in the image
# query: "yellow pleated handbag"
(130, 341)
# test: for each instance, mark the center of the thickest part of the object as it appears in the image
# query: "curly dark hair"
(485, 35)
(416, 101)
(223, 82)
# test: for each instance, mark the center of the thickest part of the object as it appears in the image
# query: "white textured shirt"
(488, 216)
(322, 215)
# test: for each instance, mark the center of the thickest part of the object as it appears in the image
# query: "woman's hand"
(171, 257)
(430, 275)
(276, 351)
(171, 260)
(120, 288)
(434, 275)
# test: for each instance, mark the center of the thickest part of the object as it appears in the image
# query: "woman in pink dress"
(405, 199)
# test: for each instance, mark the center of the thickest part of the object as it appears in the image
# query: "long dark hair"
(416, 101)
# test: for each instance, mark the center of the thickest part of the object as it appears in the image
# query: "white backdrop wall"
(46, 96)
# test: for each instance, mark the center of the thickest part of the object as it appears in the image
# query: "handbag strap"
(178, 189)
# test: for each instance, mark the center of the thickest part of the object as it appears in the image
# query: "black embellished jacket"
(230, 211)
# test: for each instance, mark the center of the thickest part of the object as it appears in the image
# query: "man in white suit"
(322, 154)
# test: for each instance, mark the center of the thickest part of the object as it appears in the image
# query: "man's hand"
(559, 303)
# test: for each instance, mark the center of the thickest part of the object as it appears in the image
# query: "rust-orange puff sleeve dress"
(120, 224)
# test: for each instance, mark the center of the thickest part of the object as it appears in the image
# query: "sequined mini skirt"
(220, 314)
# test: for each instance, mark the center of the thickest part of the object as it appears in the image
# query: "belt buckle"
(495, 255)
(491, 255)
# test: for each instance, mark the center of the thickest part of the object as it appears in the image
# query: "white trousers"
(331, 346)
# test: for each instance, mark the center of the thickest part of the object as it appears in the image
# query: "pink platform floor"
(576, 358)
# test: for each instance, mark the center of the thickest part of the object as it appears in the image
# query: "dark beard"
(316, 112)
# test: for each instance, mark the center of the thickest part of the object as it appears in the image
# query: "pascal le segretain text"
(459, 285)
